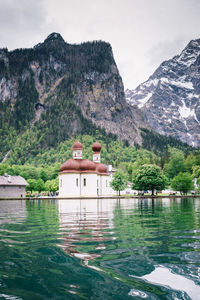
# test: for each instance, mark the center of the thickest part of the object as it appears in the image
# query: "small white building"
(80, 177)
(12, 186)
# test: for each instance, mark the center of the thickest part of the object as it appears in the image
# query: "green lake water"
(100, 249)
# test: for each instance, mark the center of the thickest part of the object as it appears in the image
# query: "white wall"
(105, 181)
(91, 185)
(68, 185)
(12, 191)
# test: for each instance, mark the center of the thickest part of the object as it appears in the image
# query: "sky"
(142, 33)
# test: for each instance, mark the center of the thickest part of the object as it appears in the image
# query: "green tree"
(190, 162)
(51, 185)
(43, 175)
(182, 183)
(119, 182)
(196, 171)
(39, 185)
(176, 163)
(32, 185)
(149, 177)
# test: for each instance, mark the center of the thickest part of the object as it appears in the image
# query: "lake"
(100, 249)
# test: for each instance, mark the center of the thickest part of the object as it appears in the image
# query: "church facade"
(80, 177)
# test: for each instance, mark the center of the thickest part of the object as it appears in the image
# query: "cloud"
(165, 50)
(21, 22)
(142, 33)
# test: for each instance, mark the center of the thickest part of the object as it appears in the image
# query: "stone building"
(84, 178)
(12, 186)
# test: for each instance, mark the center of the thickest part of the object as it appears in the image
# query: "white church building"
(80, 177)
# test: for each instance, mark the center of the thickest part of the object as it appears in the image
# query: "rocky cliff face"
(101, 99)
(170, 98)
(58, 90)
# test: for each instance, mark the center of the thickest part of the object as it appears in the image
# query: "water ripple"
(100, 249)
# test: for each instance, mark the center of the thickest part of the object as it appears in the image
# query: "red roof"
(87, 165)
(101, 168)
(71, 164)
(83, 166)
(77, 146)
(96, 147)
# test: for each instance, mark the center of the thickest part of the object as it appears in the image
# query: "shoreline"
(105, 197)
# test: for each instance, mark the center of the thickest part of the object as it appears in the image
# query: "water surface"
(100, 249)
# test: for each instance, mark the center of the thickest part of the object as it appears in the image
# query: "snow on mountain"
(170, 98)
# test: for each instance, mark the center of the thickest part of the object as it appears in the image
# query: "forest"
(17, 113)
(41, 170)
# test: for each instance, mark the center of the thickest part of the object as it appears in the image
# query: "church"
(80, 177)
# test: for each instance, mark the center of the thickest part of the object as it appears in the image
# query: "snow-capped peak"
(170, 98)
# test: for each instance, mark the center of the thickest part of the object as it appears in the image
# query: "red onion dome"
(70, 165)
(77, 146)
(96, 147)
(87, 165)
(101, 168)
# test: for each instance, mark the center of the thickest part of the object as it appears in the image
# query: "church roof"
(96, 147)
(77, 146)
(83, 166)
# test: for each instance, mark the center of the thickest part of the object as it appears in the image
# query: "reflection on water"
(85, 221)
(165, 277)
(100, 249)
(12, 211)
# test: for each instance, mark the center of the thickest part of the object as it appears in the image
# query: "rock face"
(62, 90)
(170, 98)
(101, 99)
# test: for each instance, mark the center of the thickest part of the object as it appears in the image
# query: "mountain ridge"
(56, 90)
(170, 97)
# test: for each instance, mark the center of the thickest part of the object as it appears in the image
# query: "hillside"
(170, 98)
(56, 90)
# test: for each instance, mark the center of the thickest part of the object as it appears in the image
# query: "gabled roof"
(12, 180)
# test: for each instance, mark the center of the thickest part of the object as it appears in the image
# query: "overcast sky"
(142, 33)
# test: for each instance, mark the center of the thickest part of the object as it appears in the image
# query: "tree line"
(136, 164)
(178, 173)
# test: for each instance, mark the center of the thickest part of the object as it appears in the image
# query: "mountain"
(170, 98)
(57, 90)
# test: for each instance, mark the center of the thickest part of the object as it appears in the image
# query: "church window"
(84, 181)
(97, 182)
(60, 182)
(76, 181)
(106, 183)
